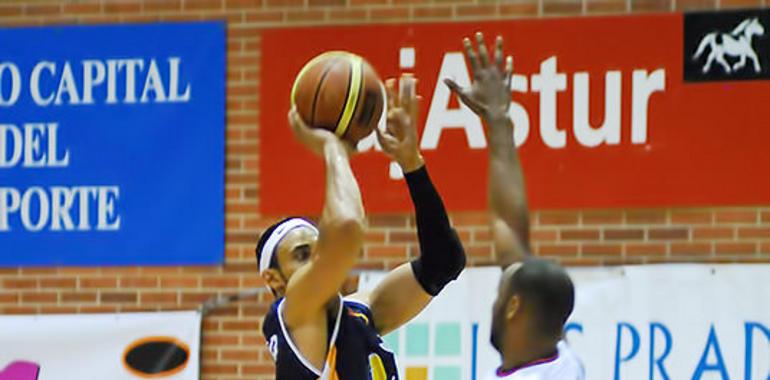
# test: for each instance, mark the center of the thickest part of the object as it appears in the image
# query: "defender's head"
(283, 248)
(534, 300)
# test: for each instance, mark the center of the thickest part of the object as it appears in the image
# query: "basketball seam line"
(347, 94)
(302, 73)
(317, 92)
(351, 101)
(368, 106)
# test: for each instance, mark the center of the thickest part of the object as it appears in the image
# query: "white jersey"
(565, 365)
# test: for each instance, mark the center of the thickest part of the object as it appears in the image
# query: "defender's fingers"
(453, 86)
(482, 47)
(499, 52)
(509, 70)
(473, 59)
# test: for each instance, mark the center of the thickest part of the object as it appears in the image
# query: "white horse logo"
(735, 44)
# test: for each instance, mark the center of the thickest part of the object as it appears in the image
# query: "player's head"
(534, 300)
(283, 248)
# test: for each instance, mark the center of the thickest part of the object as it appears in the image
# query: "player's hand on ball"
(314, 139)
(490, 93)
(399, 140)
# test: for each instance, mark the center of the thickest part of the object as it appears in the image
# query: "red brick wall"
(232, 346)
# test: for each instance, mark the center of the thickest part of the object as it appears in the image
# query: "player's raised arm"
(490, 97)
(407, 290)
(341, 228)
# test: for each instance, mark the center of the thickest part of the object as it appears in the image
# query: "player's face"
(294, 250)
(499, 319)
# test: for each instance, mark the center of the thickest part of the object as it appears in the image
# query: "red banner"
(603, 117)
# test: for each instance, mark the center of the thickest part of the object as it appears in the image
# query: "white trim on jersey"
(296, 350)
(353, 300)
(563, 366)
(382, 345)
(327, 371)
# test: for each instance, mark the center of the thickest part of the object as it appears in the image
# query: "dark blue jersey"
(355, 353)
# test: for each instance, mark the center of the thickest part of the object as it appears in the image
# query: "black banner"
(732, 45)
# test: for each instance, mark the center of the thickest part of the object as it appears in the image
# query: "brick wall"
(232, 346)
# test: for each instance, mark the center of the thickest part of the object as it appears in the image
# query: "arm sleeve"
(442, 256)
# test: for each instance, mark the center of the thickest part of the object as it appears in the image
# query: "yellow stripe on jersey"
(330, 369)
(360, 315)
(377, 368)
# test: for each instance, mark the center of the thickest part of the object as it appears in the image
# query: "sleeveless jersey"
(355, 350)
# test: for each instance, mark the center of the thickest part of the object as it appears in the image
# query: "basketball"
(340, 92)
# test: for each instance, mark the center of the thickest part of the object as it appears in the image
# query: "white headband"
(266, 255)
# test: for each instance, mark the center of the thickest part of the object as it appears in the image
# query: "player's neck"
(520, 353)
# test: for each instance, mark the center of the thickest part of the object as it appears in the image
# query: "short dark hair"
(263, 240)
(547, 290)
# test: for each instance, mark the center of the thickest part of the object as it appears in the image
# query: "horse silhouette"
(734, 44)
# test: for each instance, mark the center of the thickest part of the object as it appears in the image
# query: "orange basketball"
(340, 92)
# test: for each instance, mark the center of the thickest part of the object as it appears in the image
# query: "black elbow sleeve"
(442, 256)
(440, 262)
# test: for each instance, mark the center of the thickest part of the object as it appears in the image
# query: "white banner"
(639, 322)
(100, 346)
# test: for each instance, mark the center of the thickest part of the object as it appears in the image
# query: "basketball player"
(535, 296)
(311, 331)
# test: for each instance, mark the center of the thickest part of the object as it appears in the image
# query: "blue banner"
(112, 145)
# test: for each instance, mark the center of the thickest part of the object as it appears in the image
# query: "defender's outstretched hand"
(490, 94)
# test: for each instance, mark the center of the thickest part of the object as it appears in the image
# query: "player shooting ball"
(311, 330)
